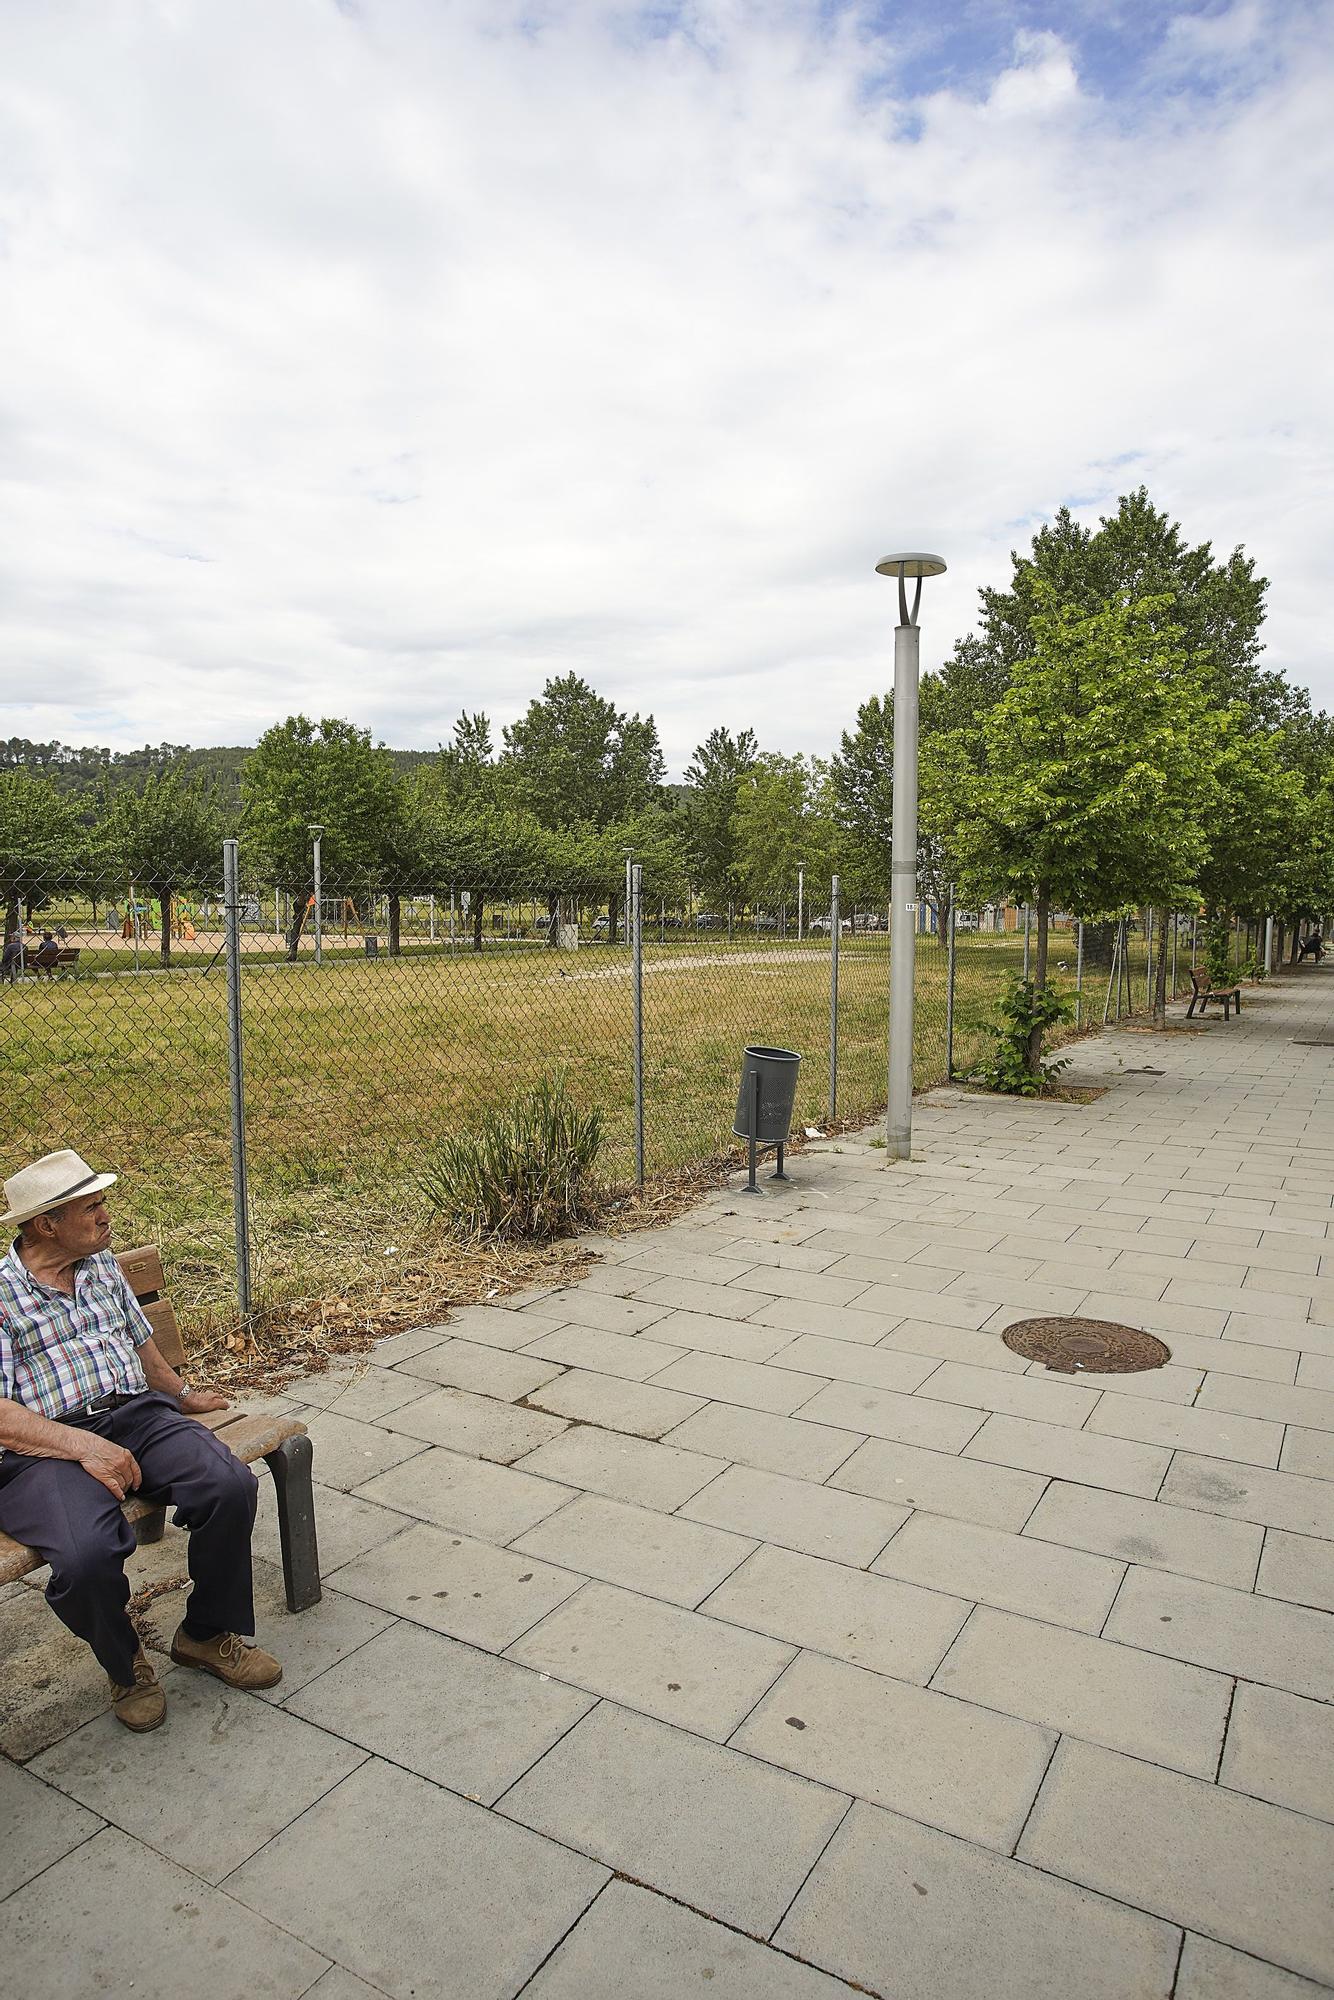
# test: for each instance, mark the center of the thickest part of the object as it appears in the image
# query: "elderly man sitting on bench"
(90, 1412)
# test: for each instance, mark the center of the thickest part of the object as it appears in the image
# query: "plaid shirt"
(58, 1352)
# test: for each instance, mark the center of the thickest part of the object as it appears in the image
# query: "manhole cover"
(1098, 1345)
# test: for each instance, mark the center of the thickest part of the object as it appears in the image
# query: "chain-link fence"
(148, 1015)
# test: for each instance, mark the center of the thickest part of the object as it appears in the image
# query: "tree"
(167, 834)
(327, 774)
(580, 761)
(710, 810)
(41, 841)
(784, 820)
(1096, 779)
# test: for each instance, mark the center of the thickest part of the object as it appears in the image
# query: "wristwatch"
(182, 1392)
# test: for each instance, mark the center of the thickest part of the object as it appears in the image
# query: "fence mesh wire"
(396, 1019)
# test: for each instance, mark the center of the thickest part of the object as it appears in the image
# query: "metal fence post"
(637, 947)
(1079, 972)
(236, 1074)
(833, 999)
(949, 988)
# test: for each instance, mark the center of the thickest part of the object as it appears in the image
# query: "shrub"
(1023, 1008)
(524, 1173)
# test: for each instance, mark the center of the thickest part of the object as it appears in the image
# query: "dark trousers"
(77, 1526)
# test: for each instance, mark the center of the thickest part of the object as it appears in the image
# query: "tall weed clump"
(523, 1174)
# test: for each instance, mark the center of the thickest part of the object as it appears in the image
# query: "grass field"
(352, 1068)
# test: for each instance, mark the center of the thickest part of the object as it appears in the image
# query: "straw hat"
(49, 1183)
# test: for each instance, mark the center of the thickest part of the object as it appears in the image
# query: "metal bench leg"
(290, 1465)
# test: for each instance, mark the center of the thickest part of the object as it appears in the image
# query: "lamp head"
(913, 563)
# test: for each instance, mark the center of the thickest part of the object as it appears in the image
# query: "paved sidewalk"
(748, 1618)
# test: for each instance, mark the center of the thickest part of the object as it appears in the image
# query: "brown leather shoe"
(230, 1657)
(141, 1705)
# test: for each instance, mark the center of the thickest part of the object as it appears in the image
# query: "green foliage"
(1027, 1012)
(578, 760)
(713, 775)
(1218, 947)
(784, 820)
(41, 839)
(328, 774)
(523, 1174)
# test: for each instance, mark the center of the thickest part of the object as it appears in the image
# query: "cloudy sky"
(382, 357)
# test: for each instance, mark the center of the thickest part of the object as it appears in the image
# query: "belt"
(111, 1401)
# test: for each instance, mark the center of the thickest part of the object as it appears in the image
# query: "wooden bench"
(1203, 991)
(281, 1441)
(68, 956)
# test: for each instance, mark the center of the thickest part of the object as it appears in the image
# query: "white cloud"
(382, 360)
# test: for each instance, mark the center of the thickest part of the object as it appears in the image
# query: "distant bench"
(1204, 990)
(281, 1441)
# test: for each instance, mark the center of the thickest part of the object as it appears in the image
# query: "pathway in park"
(749, 1619)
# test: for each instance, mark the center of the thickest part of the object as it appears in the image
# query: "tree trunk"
(613, 915)
(1033, 1055)
(553, 921)
(297, 924)
(395, 923)
(163, 894)
(1160, 973)
(13, 924)
(478, 904)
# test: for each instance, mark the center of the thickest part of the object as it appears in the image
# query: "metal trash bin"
(764, 1103)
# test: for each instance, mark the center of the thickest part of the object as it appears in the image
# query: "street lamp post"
(903, 854)
(317, 835)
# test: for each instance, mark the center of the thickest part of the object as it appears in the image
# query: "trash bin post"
(752, 1185)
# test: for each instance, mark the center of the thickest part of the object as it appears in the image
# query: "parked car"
(965, 920)
(822, 926)
(601, 925)
(709, 920)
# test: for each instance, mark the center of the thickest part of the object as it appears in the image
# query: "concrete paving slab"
(884, 1413)
(460, 1717)
(1211, 1971)
(676, 1665)
(907, 1911)
(124, 1894)
(659, 1554)
(940, 1483)
(822, 1359)
(752, 1384)
(698, 1295)
(41, 1824)
(398, 1347)
(954, 1343)
(487, 1371)
(728, 1835)
(1284, 1499)
(797, 1514)
(1312, 1408)
(791, 1445)
(624, 1468)
(494, 1501)
(633, 1942)
(1308, 1452)
(1160, 1385)
(1033, 1396)
(501, 1326)
(339, 1984)
(1281, 1748)
(389, 1909)
(1009, 1572)
(1256, 1638)
(826, 1607)
(1148, 1532)
(944, 1762)
(216, 1745)
(1298, 1568)
(1081, 1686)
(574, 1306)
(456, 1585)
(368, 1394)
(828, 1287)
(1119, 1465)
(714, 1333)
(606, 1353)
(828, 1322)
(477, 1425)
(347, 1453)
(903, 1303)
(615, 1404)
(345, 1526)
(1246, 1873)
